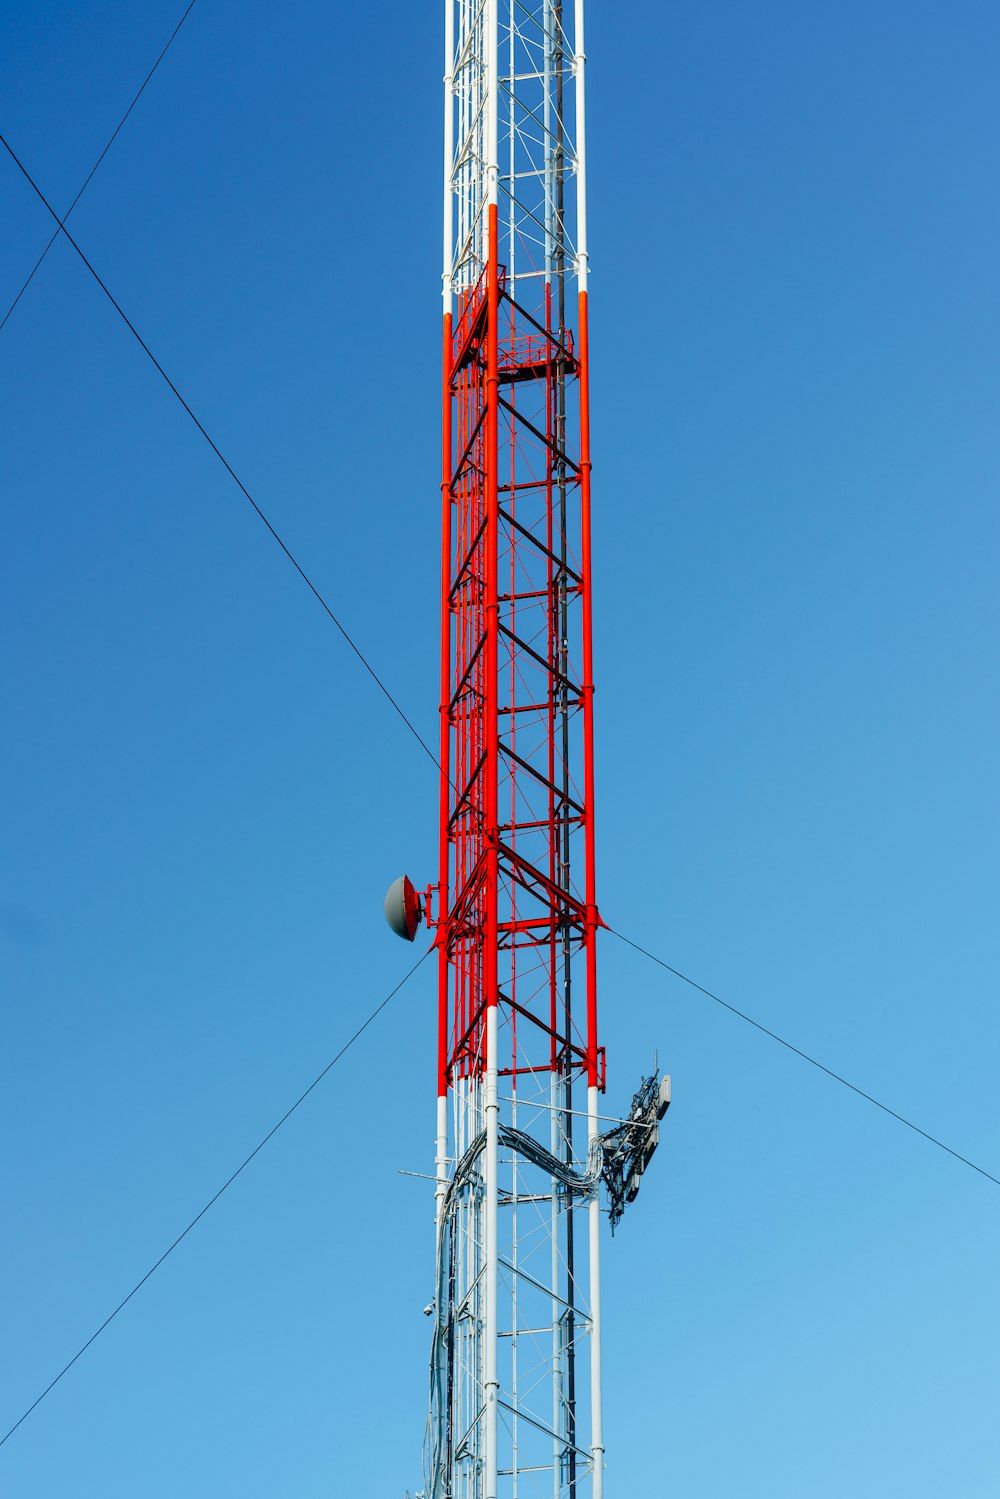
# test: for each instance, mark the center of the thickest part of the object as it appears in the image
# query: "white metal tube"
(510, 249)
(449, 148)
(438, 1442)
(547, 22)
(492, 102)
(596, 1408)
(491, 1384)
(579, 64)
(554, 1145)
(441, 1158)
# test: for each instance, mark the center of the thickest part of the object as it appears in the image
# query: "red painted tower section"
(517, 882)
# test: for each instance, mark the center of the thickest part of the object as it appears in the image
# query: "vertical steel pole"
(491, 1382)
(444, 743)
(587, 687)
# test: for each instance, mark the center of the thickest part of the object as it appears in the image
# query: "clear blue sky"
(796, 323)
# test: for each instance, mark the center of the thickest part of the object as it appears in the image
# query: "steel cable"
(222, 458)
(107, 147)
(804, 1055)
(215, 1197)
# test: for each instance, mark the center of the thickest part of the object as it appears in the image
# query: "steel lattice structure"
(515, 1405)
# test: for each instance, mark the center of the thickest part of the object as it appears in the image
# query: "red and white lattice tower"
(515, 1403)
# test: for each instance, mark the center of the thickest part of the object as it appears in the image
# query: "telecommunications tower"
(515, 1370)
